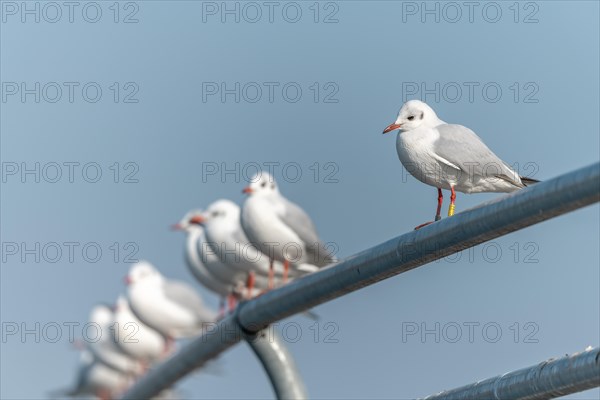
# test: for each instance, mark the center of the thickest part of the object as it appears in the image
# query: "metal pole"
(488, 221)
(278, 363)
(216, 339)
(268, 347)
(547, 380)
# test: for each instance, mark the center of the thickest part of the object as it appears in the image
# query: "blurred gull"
(225, 236)
(235, 278)
(281, 229)
(171, 307)
(449, 156)
(95, 378)
(135, 338)
(105, 348)
(196, 263)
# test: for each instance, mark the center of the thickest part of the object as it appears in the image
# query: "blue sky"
(311, 97)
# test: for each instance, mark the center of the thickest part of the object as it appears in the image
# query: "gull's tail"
(528, 181)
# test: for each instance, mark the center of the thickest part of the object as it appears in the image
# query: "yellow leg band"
(451, 210)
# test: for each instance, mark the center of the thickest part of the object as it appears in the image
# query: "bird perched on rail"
(171, 307)
(135, 338)
(205, 264)
(449, 156)
(106, 349)
(225, 236)
(281, 229)
(94, 378)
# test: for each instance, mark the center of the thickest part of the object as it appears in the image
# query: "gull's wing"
(299, 221)
(239, 236)
(458, 146)
(187, 298)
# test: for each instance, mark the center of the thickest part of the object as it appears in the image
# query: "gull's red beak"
(197, 219)
(176, 227)
(392, 127)
(247, 190)
(127, 280)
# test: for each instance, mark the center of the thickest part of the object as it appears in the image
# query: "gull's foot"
(437, 218)
(422, 225)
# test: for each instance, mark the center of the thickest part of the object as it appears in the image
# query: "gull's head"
(101, 314)
(142, 271)
(412, 115)
(262, 183)
(222, 210)
(190, 220)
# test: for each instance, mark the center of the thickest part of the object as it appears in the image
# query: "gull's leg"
(250, 285)
(452, 199)
(437, 213)
(231, 302)
(271, 274)
(286, 269)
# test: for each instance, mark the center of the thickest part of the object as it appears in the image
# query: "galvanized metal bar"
(278, 363)
(499, 217)
(547, 380)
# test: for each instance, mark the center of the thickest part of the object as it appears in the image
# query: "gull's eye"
(214, 213)
(411, 118)
(263, 184)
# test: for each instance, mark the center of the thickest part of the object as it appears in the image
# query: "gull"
(449, 156)
(105, 349)
(226, 238)
(201, 253)
(225, 235)
(281, 229)
(95, 378)
(171, 307)
(135, 338)
(201, 266)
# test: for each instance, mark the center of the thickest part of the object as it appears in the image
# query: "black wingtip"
(528, 181)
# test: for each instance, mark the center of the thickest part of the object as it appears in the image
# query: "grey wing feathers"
(297, 219)
(240, 237)
(187, 297)
(458, 139)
